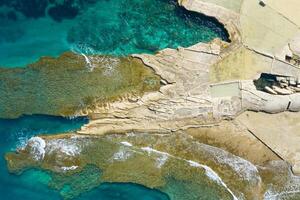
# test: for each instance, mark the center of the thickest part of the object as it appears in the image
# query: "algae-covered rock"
(79, 163)
(175, 164)
(146, 159)
(72, 84)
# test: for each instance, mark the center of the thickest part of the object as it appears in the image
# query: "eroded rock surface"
(191, 74)
(201, 86)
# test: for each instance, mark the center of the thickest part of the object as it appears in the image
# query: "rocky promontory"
(177, 89)
(242, 96)
(207, 83)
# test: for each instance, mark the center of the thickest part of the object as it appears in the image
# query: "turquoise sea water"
(14, 133)
(33, 184)
(124, 191)
(30, 29)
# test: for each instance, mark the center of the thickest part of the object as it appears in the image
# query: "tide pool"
(111, 27)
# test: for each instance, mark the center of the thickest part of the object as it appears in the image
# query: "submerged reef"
(81, 163)
(175, 164)
(72, 84)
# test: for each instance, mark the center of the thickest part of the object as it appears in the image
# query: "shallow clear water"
(33, 184)
(116, 27)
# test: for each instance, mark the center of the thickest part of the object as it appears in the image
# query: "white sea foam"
(162, 157)
(193, 163)
(150, 150)
(126, 144)
(244, 168)
(22, 141)
(247, 170)
(69, 168)
(37, 147)
(291, 188)
(160, 161)
(212, 175)
(122, 155)
(130, 134)
(272, 195)
(78, 136)
(88, 62)
(208, 171)
(65, 146)
(110, 64)
(84, 50)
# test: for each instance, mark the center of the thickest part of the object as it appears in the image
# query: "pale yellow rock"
(234, 5)
(264, 29)
(283, 68)
(279, 131)
(285, 51)
(287, 8)
(240, 64)
(261, 38)
(228, 17)
(295, 45)
(184, 102)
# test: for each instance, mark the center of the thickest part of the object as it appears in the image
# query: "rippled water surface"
(30, 29)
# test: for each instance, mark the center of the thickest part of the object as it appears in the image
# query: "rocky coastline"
(208, 83)
(209, 92)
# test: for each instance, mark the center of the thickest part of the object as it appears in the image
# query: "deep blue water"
(33, 184)
(30, 29)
